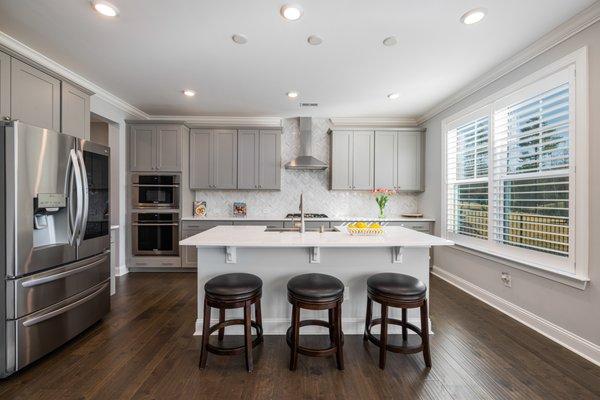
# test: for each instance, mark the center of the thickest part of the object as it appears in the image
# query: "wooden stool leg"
(368, 318)
(221, 319)
(425, 334)
(338, 338)
(383, 337)
(258, 315)
(295, 337)
(248, 336)
(332, 322)
(205, 336)
(404, 330)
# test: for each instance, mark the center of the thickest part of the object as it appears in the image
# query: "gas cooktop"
(306, 215)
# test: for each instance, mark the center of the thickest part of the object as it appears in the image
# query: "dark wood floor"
(144, 349)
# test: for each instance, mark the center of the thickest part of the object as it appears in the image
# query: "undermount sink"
(281, 230)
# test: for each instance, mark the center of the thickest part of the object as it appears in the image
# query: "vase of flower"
(381, 197)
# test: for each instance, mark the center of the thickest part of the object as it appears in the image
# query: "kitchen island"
(278, 256)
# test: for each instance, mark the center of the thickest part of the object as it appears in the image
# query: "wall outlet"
(506, 279)
(346, 293)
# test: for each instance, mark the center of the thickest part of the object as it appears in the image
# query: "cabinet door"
(247, 159)
(269, 165)
(201, 159)
(168, 148)
(35, 96)
(410, 161)
(362, 160)
(341, 160)
(4, 86)
(142, 154)
(224, 159)
(75, 115)
(386, 160)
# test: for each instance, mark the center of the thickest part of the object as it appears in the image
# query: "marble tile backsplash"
(314, 184)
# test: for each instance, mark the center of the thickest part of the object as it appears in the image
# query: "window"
(511, 187)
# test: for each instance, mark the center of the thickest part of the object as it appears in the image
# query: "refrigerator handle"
(79, 190)
(86, 197)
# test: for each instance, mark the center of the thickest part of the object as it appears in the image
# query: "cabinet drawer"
(44, 289)
(157, 262)
(424, 226)
(43, 331)
(200, 226)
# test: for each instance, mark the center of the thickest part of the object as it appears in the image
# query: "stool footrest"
(226, 351)
(393, 348)
(307, 351)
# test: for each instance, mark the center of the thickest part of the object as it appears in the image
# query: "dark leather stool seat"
(233, 286)
(316, 292)
(397, 286)
(225, 292)
(319, 287)
(398, 291)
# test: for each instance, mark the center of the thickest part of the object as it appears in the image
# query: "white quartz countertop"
(355, 218)
(255, 236)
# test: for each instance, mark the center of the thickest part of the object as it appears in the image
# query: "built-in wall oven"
(155, 191)
(155, 233)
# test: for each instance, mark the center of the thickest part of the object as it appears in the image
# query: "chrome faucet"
(302, 223)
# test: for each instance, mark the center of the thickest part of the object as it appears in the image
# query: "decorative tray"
(364, 229)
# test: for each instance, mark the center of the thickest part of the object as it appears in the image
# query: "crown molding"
(370, 122)
(579, 22)
(31, 55)
(211, 121)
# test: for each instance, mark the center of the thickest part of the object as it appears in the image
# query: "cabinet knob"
(260, 186)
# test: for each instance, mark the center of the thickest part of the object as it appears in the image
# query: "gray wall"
(575, 310)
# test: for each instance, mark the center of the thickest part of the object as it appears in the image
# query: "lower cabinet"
(189, 254)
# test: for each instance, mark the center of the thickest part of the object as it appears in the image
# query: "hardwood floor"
(144, 349)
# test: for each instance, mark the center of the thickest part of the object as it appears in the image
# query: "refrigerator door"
(94, 237)
(44, 196)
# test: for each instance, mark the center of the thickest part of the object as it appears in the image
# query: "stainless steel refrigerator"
(54, 240)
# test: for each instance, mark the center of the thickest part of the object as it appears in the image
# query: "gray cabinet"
(189, 254)
(35, 96)
(155, 147)
(352, 160)
(75, 115)
(4, 86)
(399, 160)
(259, 159)
(213, 159)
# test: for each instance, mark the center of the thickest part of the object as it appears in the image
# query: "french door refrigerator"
(54, 240)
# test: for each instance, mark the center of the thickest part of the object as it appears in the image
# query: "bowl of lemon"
(362, 228)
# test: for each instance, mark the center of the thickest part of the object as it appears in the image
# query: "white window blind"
(467, 178)
(531, 173)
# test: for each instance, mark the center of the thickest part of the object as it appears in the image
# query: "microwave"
(155, 191)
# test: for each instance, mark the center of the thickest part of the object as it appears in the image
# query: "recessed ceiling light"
(474, 16)
(292, 95)
(390, 41)
(291, 12)
(393, 96)
(314, 40)
(189, 92)
(239, 39)
(105, 8)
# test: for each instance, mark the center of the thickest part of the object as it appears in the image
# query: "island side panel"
(275, 266)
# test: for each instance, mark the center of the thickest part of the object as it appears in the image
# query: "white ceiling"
(155, 48)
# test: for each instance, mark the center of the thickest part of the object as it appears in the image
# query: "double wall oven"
(155, 216)
(54, 240)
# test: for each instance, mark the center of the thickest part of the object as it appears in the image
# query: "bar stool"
(401, 291)
(316, 292)
(230, 291)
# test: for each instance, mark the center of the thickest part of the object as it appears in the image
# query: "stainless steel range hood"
(305, 160)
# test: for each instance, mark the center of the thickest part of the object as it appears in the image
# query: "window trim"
(580, 202)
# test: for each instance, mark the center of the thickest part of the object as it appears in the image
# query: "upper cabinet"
(155, 147)
(35, 96)
(235, 159)
(364, 160)
(75, 115)
(352, 160)
(4, 86)
(399, 160)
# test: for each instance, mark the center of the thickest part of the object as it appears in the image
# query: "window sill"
(578, 282)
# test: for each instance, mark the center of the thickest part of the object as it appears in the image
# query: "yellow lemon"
(361, 225)
(375, 225)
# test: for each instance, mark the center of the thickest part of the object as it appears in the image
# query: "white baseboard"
(279, 326)
(583, 347)
(122, 270)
